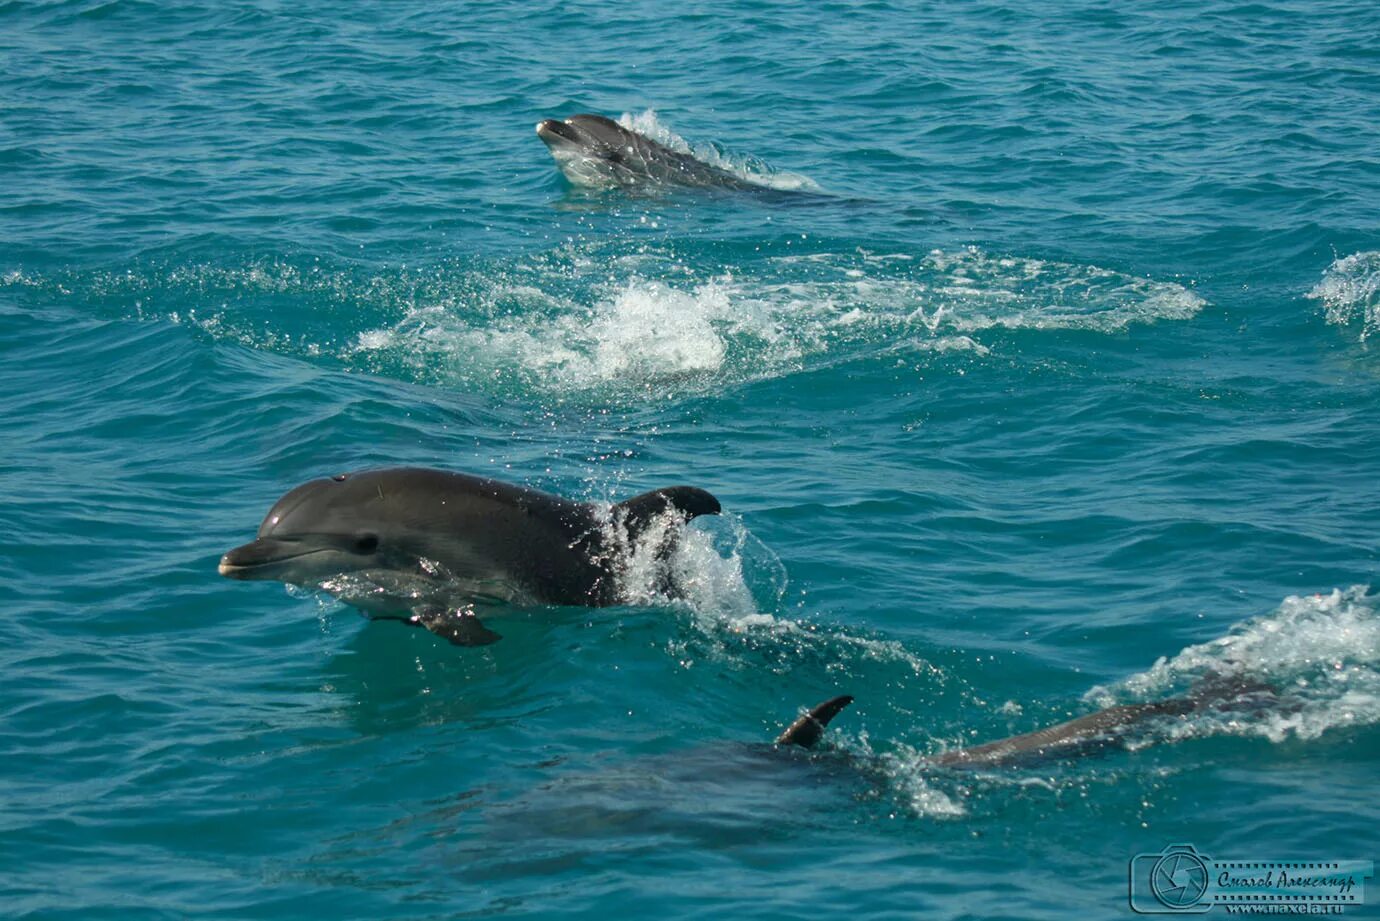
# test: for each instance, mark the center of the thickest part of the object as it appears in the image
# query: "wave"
(594, 322)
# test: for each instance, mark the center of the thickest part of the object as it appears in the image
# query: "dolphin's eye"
(367, 544)
(339, 477)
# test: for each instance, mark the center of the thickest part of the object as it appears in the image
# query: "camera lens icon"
(1179, 878)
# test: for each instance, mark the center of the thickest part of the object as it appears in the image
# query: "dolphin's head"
(390, 539)
(591, 135)
(592, 150)
(322, 529)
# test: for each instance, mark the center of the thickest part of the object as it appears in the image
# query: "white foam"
(908, 773)
(639, 334)
(1350, 291)
(985, 291)
(744, 325)
(650, 330)
(952, 344)
(707, 572)
(609, 321)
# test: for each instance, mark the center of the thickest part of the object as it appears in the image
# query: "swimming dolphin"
(433, 543)
(1070, 739)
(592, 150)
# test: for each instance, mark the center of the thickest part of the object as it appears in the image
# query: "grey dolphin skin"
(429, 544)
(807, 730)
(1080, 736)
(1071, 739)
(592, 150)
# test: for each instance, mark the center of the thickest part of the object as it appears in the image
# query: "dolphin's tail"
(807, 730)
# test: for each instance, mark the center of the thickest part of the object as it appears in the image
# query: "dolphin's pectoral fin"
(807, 730)
(461, 627)
(639, 511)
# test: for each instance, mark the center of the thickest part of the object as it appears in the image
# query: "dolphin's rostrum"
(430, 544)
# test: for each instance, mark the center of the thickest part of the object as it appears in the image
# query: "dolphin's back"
(1112, 725)
(1075, 737)
(642, 156)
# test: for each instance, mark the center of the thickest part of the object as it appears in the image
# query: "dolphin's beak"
(256, 559)
(556, 133)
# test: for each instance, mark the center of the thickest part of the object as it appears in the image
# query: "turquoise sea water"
(1058, 389)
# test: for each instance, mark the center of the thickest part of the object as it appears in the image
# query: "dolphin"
(426, 546)
(592, 150)
(751, 788)
(1074, 738)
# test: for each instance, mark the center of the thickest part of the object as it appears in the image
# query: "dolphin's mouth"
(254, 559)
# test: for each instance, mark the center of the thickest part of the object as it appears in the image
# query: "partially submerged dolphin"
(1081, 736)
(592, 150)
(429, 544)
(750, 790)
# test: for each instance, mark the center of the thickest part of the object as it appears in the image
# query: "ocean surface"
(1047, 378)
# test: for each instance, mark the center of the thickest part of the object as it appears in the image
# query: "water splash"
(908, 777)
(663, 330)
(722, 575)
(748, 168)
(1322, 652)
(610, 322)
(731, 588)
(1350, 291)
(1005, 291)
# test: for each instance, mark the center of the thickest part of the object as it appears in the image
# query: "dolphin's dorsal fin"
(807, 730)
(639, 511)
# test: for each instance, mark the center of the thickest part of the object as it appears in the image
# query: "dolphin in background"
(426, 546)
(750, 791)
(595, 151)
(1074, 738)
